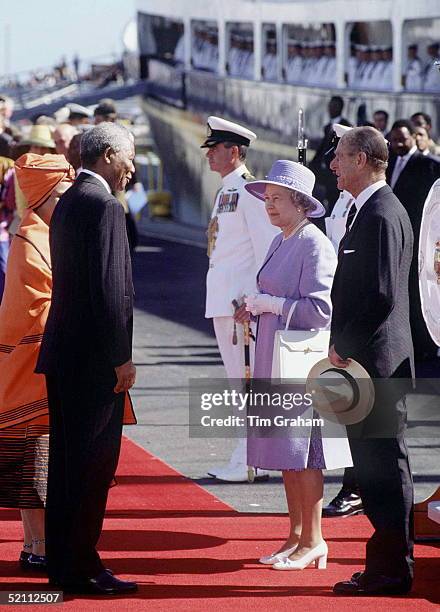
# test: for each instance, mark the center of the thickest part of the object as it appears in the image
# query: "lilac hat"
(294, 176)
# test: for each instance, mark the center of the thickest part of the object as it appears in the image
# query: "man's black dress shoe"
(362, 584)
(346, 503)
(103, 584)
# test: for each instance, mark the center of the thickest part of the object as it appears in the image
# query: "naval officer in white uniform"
(239, 236)
(336, 222)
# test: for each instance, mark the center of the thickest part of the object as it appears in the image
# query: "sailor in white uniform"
(247, 62)
(374, 78)
(269, 69)
(387, 73)
(320, 64)
(368, 68)
(197, 57)
(212, 55)
(294, 63)
(431, 71)
(414, 70)
(362, 65)
(239, 57)
(329, 71)
(308, 63)
(352, 67)
(234, 55)
(239, 236)
(335, 223)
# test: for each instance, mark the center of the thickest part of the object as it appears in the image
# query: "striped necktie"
(351, 215)
(397, 170)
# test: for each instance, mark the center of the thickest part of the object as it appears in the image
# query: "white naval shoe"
(241, 473)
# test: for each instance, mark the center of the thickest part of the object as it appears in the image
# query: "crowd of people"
(59, 134)
(46, 78)
(371, 67)
(413, 167)
(313, 62)
(204, 51)
(359, 283)
(419, 75)
(310, 63)
(66, 324)
(49, 376)
(65, 73)
(240, 62)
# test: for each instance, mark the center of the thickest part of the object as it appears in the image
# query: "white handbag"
(296, 351)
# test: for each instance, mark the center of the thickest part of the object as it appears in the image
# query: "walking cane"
(247, 370)
(247, 376)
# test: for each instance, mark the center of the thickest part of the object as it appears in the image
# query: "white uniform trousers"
(233, 359)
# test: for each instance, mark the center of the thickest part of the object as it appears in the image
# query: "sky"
(43, 31)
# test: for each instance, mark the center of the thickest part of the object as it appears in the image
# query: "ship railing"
(273, 106)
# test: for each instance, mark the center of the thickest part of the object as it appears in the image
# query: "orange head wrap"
(38, 175)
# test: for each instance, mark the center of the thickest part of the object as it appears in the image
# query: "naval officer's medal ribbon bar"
(228, 202)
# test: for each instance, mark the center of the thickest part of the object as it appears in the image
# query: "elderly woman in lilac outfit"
(296, 275)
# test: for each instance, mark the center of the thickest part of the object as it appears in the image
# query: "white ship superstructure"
(258, 61)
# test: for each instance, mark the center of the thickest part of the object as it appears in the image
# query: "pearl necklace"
(296, 229)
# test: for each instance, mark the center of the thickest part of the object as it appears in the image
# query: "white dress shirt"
(97, 176)
(366, 195)
(400, 164)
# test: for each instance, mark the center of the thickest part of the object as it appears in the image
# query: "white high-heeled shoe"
(317, 554)
(275, 557)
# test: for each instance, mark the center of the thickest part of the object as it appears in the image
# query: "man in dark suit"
(370, 324)
(411, 175)
(325, 188)
(86, 357)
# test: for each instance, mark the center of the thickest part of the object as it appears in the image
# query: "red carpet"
(189, 551)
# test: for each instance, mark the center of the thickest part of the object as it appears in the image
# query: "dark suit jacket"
(370, 321)
(89, 328)
(413, 185)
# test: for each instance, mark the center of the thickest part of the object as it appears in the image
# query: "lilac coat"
(300, 269)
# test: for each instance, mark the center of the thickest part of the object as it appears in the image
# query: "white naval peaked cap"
(62, 114)
(340, 129)
(221, 130)
(78, 109)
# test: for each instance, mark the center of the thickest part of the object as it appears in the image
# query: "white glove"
(262, 302)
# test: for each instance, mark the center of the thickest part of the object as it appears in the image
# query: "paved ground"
(174, 343)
